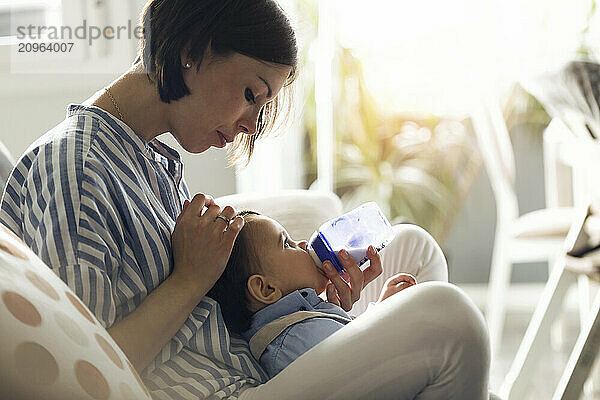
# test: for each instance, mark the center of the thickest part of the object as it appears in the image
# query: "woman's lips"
(223, 139)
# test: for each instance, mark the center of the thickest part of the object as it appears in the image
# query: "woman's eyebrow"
(268, 86)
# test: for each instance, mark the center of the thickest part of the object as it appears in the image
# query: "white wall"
(30, 104)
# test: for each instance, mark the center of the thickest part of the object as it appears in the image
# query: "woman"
(103, 203)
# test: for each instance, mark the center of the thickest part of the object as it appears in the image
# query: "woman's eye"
(249, 95)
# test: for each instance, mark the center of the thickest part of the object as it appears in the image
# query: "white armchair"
(532, 237)
(56, 349)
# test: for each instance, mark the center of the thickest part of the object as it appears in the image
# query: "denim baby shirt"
(297, 339)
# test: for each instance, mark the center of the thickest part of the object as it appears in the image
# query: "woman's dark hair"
(255, 28)
(230, 289)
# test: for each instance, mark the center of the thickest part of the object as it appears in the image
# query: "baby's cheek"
(322, 284)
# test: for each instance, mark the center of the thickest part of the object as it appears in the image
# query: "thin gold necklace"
(115, 104)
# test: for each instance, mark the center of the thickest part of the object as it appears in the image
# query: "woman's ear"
(263, 290)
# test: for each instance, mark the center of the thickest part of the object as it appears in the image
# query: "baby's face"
(286, 261)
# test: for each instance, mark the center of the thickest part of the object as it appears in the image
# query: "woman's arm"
(201, 246)
(149, 327)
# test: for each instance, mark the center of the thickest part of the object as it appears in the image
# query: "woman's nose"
(248, 125)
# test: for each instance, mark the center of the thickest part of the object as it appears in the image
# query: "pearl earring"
(187, 65)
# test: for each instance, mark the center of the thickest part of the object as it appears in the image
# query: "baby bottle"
(354, 231)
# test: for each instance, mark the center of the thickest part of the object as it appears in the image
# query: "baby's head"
(265, 265)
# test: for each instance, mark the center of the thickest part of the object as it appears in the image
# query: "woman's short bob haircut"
(184, 28)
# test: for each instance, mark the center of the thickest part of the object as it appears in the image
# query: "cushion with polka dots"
(51, 346)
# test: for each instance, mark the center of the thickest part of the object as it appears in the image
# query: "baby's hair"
(230, 289)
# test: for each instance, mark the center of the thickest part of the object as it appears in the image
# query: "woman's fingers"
(210, 215)
(197, 204)
(220, 220)
(186, 204)
(201, 242)
(222, 224)
(228, 212)
(209, 200)
(231, 233)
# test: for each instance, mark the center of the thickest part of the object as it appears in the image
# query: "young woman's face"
(226, 97)
(284, 261)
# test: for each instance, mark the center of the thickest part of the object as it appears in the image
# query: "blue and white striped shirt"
(98, 205)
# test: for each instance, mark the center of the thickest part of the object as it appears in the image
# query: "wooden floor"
(552, 365)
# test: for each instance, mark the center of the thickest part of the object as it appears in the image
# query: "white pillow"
(300, 212)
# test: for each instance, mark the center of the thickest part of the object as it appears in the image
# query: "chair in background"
(533, 237)
(567, 183)
(584, 152)
(582, 359)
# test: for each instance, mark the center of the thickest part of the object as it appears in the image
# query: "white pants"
(427, 342)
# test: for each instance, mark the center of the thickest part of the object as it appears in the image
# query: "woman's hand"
(396, 284)
(202, 242)
(346, 291)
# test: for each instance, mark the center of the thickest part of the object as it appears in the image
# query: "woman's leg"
(426, 342)
(412, 250)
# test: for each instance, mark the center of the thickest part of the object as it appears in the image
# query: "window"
(15, 13)
(70, 36)
(394, 80)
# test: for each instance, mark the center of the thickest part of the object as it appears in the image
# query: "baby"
(269, 290)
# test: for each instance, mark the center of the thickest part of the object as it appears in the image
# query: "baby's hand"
(396, 284)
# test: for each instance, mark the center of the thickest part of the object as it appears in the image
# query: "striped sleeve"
(66, 212)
